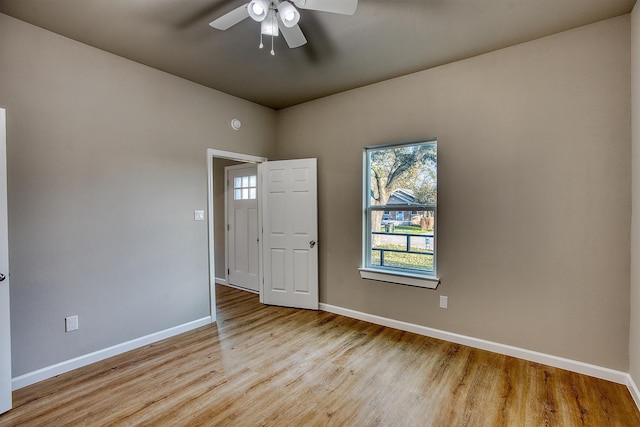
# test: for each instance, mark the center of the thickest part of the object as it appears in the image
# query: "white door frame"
(211, 153)
(5, 318)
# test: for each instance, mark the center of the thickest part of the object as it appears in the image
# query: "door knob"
(2, 277)
(312, 244)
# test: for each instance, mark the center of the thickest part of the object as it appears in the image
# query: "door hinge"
(228, 227)
(228, 271)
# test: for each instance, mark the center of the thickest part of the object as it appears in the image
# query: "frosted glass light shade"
(258, 10)
(288, 13)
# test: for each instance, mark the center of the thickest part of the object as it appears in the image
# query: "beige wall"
(634, 341)
(534, 191)
(106, 164)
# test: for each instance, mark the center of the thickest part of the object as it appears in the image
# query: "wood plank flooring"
(271, 366)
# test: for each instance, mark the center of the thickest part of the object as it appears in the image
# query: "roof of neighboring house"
(401, 196)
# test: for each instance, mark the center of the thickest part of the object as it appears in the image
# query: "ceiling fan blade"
(232, 18)
(293, 36)
(345, 7)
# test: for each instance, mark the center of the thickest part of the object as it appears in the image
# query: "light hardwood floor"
(262, 365)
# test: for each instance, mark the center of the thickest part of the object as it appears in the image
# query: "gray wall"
(634, 341)
(106, 164)
(534, 191)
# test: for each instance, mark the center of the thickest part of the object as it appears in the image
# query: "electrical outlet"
(71, 323)
(444, 301)
(198, 215)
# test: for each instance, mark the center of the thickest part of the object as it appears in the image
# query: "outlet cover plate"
(444, 301)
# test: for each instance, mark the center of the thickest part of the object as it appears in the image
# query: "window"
(400, 187)
(244, 187)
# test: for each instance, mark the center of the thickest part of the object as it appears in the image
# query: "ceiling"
(383, 39)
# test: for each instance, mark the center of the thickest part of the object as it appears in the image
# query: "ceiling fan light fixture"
(288, 13)
(258, 10)
(269, 26)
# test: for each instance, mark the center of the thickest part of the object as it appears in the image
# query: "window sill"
(429, 282)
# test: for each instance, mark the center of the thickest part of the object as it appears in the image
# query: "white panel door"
(290, 233)
(5, 330)
(242, 226)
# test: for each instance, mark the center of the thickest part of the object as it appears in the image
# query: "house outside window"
(400, 187)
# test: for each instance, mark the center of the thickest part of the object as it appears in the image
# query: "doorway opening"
(217, 161)
(288, 230)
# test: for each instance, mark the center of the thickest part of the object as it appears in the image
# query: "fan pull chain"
(261, 45)
(272, 26)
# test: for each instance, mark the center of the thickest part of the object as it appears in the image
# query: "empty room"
(320, 212)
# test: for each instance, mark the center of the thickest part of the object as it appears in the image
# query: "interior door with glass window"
(5, 329)
(290, 233)
(242, 226)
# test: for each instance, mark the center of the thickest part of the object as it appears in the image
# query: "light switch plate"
(198, 215)
(71, 323)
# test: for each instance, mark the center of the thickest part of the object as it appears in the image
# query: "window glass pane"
(252, 181)
(245, 181)
(402, 244)
(252, 193)
(403, 175)
(245, 193)
(237, 194)
(237, 182)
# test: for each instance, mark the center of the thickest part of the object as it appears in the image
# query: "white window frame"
(402, 276)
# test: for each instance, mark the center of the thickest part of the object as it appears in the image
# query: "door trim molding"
(211, 154)
(5, 309)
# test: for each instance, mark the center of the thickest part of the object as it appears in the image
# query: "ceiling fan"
(281, 16)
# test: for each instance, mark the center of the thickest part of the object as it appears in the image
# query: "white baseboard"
(633, 389)
(96, 356)
(521, 353)
(238, 287)
(221, 281)
(533, 356)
